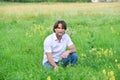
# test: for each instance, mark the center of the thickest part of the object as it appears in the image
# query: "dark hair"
(64, 25)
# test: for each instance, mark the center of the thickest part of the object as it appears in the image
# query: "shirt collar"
(55, 38)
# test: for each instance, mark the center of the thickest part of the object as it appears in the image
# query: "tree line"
(47, 0)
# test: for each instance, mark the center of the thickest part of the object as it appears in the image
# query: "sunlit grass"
(94, 28)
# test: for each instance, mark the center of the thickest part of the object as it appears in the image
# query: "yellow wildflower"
(112, 78)
(92, 50)
(48, 78)
(84, 55)
(116, 60)
(104, 71)
(111, 51)
(105, 52)
(118, 65)
(111, 73)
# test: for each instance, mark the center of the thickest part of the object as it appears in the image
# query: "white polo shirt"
(51, 44)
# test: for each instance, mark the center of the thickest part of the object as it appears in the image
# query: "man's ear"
(55, 30)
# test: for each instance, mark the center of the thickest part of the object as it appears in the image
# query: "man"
(55, 48)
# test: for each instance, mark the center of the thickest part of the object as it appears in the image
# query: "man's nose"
(61, 29)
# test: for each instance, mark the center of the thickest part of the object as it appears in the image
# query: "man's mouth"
(60, 33)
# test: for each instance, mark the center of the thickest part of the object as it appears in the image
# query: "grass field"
(93, 27)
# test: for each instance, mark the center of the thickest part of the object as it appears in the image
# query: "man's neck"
(59, 38)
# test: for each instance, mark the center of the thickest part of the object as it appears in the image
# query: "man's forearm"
(52, 62)
(72, 50)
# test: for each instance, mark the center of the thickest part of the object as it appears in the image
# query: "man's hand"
(56, 68)
(65, 54)
(71, 50)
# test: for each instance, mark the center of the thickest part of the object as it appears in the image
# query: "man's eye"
(58, 28)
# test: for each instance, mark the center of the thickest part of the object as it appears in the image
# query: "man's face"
(59, 31)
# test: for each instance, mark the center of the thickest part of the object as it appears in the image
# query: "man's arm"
(51, 61)
(70, 50)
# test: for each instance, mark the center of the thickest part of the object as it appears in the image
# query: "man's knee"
(74, 56)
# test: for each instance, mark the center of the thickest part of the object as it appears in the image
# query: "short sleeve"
(69, 41)
(47, 45)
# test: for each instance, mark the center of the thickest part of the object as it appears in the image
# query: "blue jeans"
(72, 59)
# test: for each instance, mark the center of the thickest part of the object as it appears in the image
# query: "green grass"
(94, 29)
